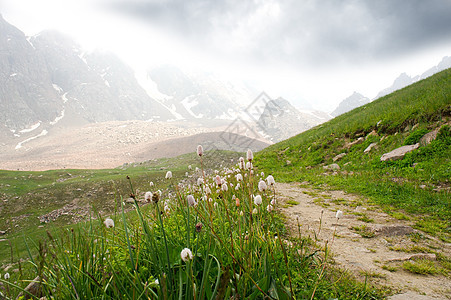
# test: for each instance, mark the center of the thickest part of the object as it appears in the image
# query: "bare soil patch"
(389, 242)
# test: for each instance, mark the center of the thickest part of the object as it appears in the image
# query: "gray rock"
(368, 149)
(339, 156)
(399, 153)
(391, 230)
(428, 137)
(34, 288)
(332, 167)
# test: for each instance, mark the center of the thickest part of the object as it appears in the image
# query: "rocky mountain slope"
(400, 82)
(47, 76)
(353, 101)
(281, 120)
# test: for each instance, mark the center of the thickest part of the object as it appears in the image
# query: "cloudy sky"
(309, 51)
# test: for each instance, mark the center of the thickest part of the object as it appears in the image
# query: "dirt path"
(366, 256)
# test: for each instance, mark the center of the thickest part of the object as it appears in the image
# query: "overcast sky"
(310, 52)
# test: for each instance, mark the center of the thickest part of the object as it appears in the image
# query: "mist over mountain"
(281, 120)
(403, 80)
(353, 101)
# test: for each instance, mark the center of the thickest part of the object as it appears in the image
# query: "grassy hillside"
(417, 185)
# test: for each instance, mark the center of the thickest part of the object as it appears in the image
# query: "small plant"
(415, 136)
(364, 231)
(365, 219)
(422, 267)
(389, 268)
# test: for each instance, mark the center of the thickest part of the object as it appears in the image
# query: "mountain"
(281, 120)
(198, 96)
(404, 80)
(353, 101)
(48, 77)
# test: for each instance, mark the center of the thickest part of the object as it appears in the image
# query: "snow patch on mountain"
(31, 128)
(19, 145)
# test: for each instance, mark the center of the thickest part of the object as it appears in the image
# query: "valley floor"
(382, 256)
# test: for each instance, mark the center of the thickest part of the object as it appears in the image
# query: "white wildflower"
(191, 200)
(239, 177)
(168, 175)
(200, 150)
(254, 211)
(249, 155)
(6, 276)
(248, 165)
(151, 184)
(148, 196)
(237, 187)
(224, 187)
(273, 202)
(109, 223)
(269, 208)
(339, 214)
(258, 200)
(262, 186)
(186, 255)
(190, 167)
(270, 180)
(200, 181)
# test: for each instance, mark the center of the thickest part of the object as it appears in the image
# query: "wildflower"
(6, 276)
(186, 174)
(237, 202)
(166, 209)
(224, 187)
(248, 165)
(273, 202)
(241, 163)
(156, 197)
(186, 255)
(258, 200)
(262, 186)
(197, 169)
(200, 181)
(237, 187)
(151, 184)
(156, 282)
(249, 155)
(262, 174)
(200, 150)
(190, 167)
(199, 227)
(270, 180)
(239, 177)
(148, 196)
(339, 214)
(168, 175)
(241, 213)
(215, 204)
(207, 190)
(109, 223)
(254, 211)
(269, 208)
(191, 200)
(252, 171)
(218, 180)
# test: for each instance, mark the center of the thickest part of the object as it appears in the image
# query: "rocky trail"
(388, 245)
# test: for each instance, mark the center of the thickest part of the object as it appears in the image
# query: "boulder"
(368, 149)
(332, 167)
(399, 153)
(339, 156)
(428, 137)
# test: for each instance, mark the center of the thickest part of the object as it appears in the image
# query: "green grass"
(25, 196)
(238, 248)
(423, 267)
(415, 187)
